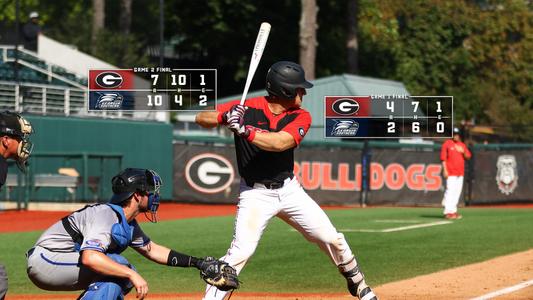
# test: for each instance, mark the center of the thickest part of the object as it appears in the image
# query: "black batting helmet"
(132, 180)
(284, 77)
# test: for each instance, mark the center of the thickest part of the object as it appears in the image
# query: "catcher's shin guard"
(356, 281)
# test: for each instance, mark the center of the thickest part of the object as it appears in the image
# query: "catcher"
(82, 250)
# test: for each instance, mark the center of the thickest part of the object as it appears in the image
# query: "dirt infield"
(19, 221)
(467, 282)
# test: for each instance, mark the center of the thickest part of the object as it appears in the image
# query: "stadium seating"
(28, 74)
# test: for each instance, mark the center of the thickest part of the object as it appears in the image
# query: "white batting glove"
(236, 113)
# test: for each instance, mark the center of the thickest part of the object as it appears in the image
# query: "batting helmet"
(284, 77)
(14, 125)
(132, 180)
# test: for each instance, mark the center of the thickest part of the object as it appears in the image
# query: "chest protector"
(121, 232)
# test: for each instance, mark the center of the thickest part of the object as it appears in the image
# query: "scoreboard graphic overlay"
(388, 116)
(152, 89)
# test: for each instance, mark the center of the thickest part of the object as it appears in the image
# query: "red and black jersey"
(259, 165)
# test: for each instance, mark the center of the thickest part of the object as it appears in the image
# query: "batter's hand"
(237, 113)
(238, 128)
(141, 286)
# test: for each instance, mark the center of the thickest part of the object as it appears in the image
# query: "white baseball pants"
(291, 203)
(454, 186)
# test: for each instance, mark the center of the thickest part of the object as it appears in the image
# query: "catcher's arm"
(212, 271)
(165, 256)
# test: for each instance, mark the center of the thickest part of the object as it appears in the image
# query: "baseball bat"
(260, 44)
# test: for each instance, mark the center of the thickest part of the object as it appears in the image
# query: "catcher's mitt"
(218, 273)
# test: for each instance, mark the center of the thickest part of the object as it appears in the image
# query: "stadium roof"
(338, 85)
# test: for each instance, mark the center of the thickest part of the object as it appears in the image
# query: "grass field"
(286, 262)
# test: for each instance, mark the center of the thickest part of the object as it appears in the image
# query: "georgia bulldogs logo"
(507, 174)
(345, 106)
(108, 80)
(209, 173)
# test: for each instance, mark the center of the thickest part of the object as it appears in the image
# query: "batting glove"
(238, 127)
(236, 111)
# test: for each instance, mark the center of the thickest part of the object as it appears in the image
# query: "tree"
(308, 43)
(352, 45)
(125, 16)
(98, 21)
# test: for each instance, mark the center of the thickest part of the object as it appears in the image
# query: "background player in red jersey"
(267, 131)
(453, 154)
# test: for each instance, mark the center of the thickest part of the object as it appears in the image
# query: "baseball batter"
(82, 250)
(14, 144)
(453, 154)
(267, 130)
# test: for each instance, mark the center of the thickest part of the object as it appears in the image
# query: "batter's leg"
(301, 212)
(3, 282)
(256, 207)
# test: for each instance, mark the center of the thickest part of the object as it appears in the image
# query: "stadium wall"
(106, 146)
(334, 173)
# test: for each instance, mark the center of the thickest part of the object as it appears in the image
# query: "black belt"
(269, 184)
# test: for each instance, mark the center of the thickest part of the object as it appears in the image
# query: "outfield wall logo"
(507, 174)
(327, 176)
(209, 173)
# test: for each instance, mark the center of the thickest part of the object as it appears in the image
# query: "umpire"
(14, 144)
(82, 250)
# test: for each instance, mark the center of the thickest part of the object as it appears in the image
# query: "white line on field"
(397, 221)
(394, 229)
(504, 291)
(402, 228)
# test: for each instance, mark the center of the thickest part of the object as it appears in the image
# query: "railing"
(48, 70)
(49, 100)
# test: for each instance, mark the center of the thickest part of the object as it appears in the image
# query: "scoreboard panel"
(388, 116)
(152, 89)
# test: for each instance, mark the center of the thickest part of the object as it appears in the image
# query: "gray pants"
(3, 282)
(68, 272)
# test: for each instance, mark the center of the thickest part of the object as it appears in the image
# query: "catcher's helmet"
(132, 180)
(14, 125)
(284, 77)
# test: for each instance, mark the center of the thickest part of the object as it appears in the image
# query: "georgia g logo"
(209, 173)
(108, 80)
(345, 106)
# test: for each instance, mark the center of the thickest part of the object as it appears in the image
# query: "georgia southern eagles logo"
(507, 174)
(345, 128)
(109, 101)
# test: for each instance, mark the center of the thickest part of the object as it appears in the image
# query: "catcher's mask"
(144, 181)
(284, 78)
(16, 126)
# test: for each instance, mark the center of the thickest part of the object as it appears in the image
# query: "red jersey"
(455, 161)
(259, 165)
